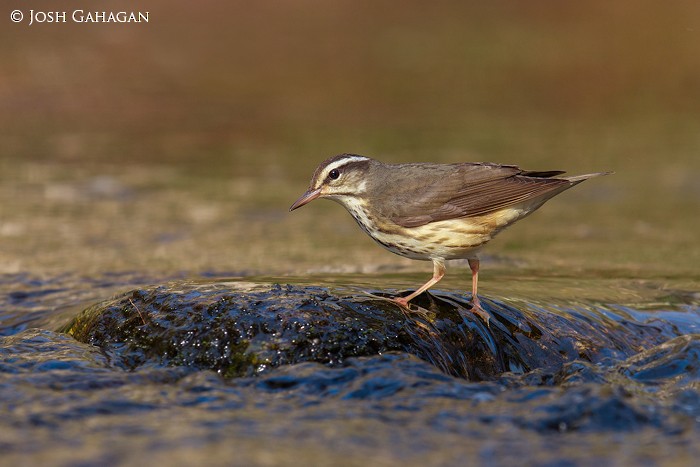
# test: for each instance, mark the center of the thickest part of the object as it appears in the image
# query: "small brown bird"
(434, 212)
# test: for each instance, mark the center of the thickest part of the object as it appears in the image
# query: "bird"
(434, 212)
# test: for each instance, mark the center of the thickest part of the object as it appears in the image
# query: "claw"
(478, 310)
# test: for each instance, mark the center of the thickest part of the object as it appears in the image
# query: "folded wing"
(477, 189)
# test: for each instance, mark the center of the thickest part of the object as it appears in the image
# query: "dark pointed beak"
(307, 197)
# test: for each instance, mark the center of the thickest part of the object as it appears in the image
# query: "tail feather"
(580, 178)
(542, 174)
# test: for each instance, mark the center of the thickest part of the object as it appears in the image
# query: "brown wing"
(468, 190)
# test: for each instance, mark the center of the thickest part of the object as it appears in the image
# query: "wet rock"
(241, 329)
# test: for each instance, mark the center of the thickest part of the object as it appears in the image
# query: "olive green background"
(178, 145)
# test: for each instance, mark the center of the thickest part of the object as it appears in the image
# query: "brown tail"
(580, 178)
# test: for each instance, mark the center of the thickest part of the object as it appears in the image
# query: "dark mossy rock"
(241, 329)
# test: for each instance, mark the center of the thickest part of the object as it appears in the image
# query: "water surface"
(634, 387)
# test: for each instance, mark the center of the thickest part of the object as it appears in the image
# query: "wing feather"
(467, 190)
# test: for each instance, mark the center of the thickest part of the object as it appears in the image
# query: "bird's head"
(340, 178)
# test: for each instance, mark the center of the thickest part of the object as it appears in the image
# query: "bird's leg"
(474, 266)
(476, 304)
(438, 273)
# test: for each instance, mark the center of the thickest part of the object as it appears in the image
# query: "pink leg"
(438, 273)
(476, 304)
(474, 266)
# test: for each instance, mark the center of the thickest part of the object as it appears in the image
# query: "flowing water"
(158, 303)
(550, 381)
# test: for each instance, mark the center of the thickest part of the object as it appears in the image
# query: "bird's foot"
(400, 301)
(478, 310)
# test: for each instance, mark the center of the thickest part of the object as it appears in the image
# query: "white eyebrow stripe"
(341, 162)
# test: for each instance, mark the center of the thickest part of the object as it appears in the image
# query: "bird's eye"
(334, 174)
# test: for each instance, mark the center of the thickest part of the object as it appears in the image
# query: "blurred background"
(179, 144)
